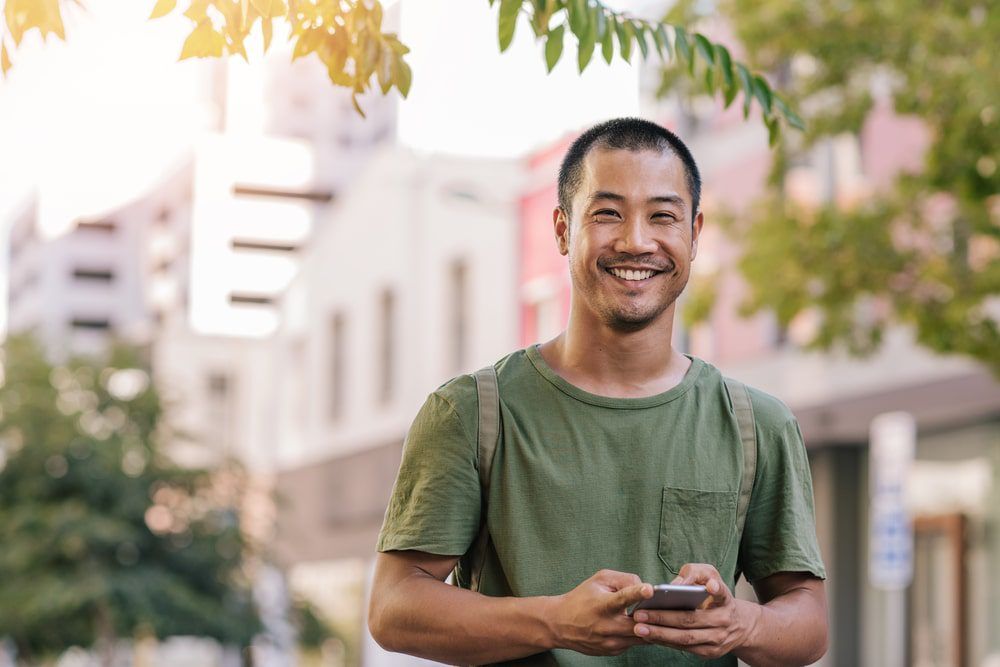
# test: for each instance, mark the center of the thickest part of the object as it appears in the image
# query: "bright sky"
(96, 120)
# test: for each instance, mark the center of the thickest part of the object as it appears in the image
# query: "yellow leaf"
(308, 42)
(41, 15)
(162, 8)
(267, 25)
(245, 9)
(269, 8)
(51, 18)
(15, 20)
(197, 11)
(4, 60)
(203, 42)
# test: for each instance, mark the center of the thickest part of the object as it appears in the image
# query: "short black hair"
(632, 134)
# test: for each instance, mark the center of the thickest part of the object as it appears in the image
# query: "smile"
(632, 274)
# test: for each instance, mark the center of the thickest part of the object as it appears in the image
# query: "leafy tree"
(347, 37)
(103, 537)
(924, 252)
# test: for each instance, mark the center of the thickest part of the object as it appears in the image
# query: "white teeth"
(628, 274)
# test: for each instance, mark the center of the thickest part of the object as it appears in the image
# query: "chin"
(631, 320)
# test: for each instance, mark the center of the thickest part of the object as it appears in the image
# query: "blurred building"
(408, 281)
(108, 276)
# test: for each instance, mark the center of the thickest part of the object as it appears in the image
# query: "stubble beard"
(626, 316)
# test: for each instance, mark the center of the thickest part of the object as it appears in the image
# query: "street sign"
(893, 440)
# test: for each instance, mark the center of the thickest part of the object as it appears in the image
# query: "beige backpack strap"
(488, 436)
(740, 397)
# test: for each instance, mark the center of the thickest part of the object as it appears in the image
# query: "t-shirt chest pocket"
(696, 527)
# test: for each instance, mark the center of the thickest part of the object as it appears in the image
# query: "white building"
(108, 276)
(408, 282)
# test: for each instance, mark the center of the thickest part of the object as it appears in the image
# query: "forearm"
(789, 630)
(425, 617)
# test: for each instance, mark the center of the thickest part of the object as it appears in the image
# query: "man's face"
(630, 241)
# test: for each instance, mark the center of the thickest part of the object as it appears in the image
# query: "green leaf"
(773, 130)
(747, 84)
(402, 75)
(509, 10)
(704, 48)
(709, 78)
(762, 92)
(587, 44)
(793, 118)
(640, 38)
(395, 44)
(661, 41)
(682, 45)
(600, 22)
(608, 42)
(162, 8)
(554, 46)
(725, 63)
(625, 34)
(579, 17)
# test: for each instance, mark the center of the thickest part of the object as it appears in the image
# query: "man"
(619, 465)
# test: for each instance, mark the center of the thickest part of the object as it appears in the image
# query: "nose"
(634, 237)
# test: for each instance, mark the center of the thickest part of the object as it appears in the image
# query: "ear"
(696, 226)
(560, 223)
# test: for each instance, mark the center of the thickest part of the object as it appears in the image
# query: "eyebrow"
(674, 199)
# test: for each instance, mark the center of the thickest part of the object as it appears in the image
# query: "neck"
(611, 362)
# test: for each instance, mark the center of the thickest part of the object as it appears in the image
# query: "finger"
(617, 580)
(629, 596)
(709, 577)
(681, 638)
(681, 619)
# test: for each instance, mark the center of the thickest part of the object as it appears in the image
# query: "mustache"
(635, 261)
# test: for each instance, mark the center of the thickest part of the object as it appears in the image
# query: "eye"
(606, 212)
(664, 217)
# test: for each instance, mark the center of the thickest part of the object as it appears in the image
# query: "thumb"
(629, 595)
(718, 593)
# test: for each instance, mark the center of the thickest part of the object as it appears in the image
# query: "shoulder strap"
(488, 436)
(740, 396)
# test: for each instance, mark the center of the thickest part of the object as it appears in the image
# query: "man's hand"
(720, 625)
(591, 618)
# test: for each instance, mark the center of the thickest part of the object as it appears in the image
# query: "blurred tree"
(104, 538)
(347, 37)
(925, 251)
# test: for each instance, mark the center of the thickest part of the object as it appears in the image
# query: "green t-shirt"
(582, 482)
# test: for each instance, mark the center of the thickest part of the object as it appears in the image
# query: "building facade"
(408, 282)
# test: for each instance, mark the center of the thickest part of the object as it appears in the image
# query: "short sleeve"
(780, 530)
(435, 502)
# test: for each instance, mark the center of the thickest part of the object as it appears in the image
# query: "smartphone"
(672, 596)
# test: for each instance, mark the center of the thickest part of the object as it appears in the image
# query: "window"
(163, 215)
(220, 412)
(386, 347)
(94, 275)
(100, 226)
(338, 327)
(458, 306)
(90, 323)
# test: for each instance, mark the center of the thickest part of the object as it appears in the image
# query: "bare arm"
(788, 628)
(791, 626)
(413, 611)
